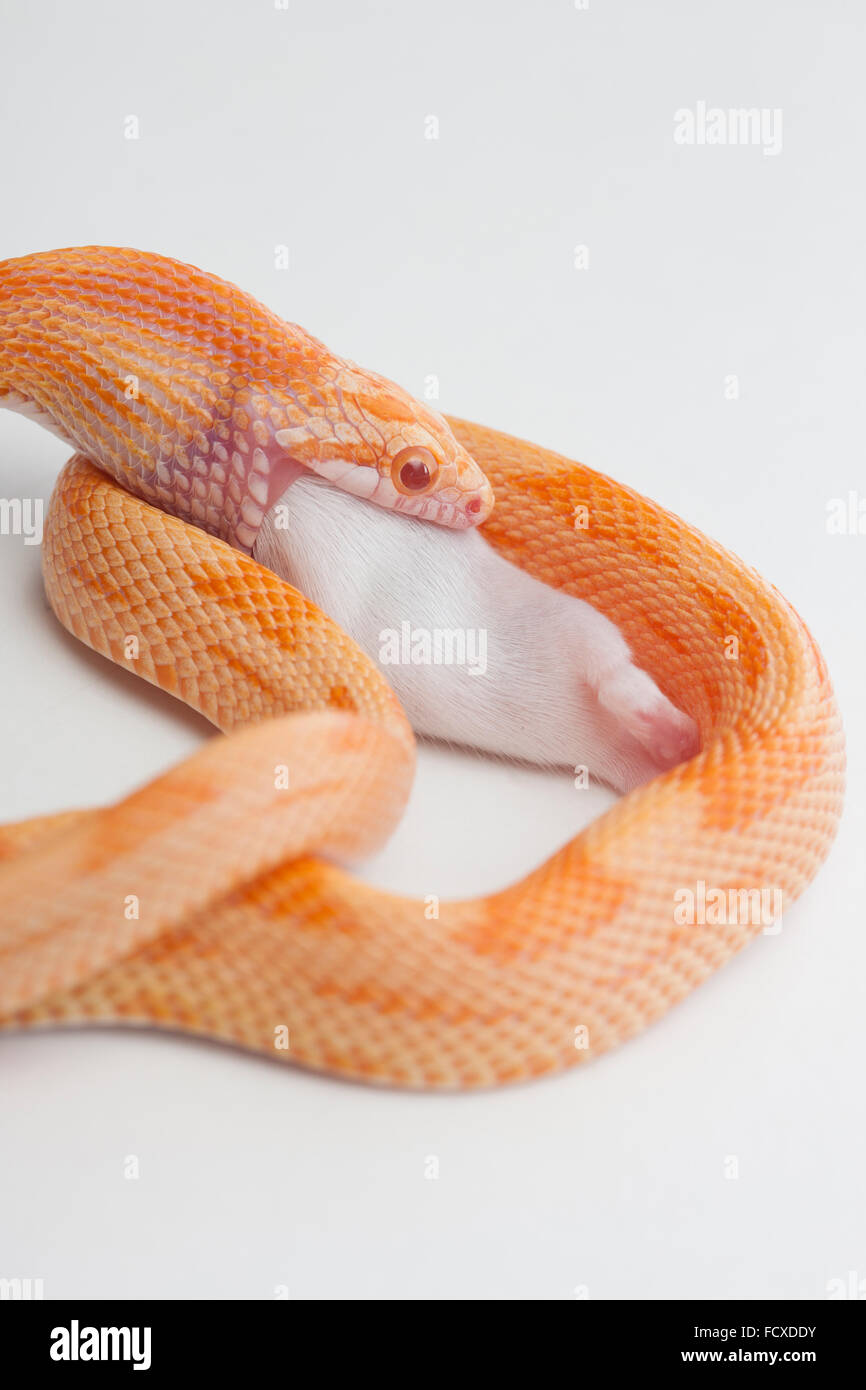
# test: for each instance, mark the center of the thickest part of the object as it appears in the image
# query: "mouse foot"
(664, 732)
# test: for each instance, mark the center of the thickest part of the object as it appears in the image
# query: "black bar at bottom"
(73, 1337)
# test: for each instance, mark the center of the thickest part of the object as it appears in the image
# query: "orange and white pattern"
(202, 902)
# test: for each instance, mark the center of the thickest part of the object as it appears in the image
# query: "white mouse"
(478, 652)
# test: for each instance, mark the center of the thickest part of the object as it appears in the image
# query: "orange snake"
(202, 902)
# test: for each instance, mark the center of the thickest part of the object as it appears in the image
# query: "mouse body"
(479, 653)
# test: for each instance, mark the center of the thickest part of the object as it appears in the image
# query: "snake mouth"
(285, 470)
(452, 507)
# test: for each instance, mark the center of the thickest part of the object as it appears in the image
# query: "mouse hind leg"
(665, 734)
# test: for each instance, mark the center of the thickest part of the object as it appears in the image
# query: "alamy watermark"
(21, 1290)
(437, 646)
(22, 516)
(846, 516)
(77, 1343)
(706, 906)
(716, 125)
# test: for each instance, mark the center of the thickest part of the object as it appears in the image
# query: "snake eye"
(414, 470)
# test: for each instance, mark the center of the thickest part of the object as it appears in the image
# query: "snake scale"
(211, 900)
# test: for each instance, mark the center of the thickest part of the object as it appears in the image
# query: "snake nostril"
(474, 505)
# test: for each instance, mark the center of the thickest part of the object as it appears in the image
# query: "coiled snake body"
(202, 902)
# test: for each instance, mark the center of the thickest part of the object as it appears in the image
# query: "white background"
(455, 257)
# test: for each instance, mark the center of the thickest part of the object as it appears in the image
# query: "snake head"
(377, 442)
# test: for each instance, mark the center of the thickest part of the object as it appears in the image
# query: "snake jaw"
(453, 507)
(460, 498)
